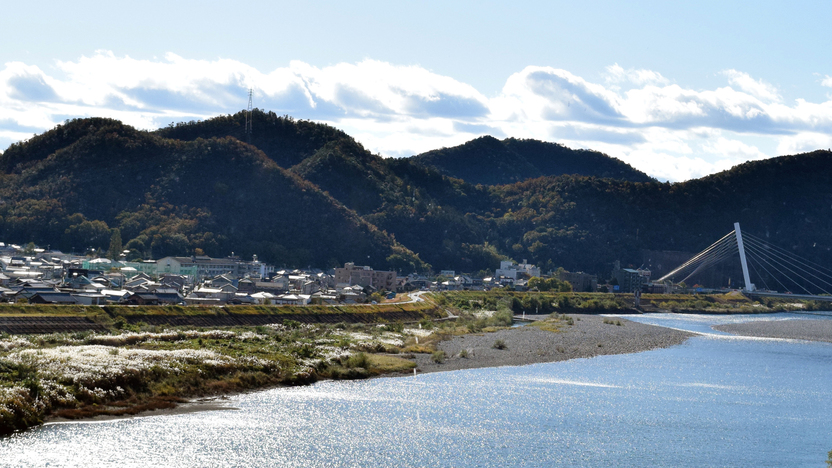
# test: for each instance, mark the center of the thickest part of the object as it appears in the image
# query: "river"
(716, 400)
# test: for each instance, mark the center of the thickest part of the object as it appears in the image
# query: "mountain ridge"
(333, 201)
(172, 197)
(489, 161)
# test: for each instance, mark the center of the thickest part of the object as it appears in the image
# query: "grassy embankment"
(114, 311)
(83, 374)
(136, 367)
(588, 303)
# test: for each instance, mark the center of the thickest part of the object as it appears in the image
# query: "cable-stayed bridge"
(780, 272)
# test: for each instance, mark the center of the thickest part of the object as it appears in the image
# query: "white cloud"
(804, 142)
(618, 75)
(733, 150)
(757, 88)
(637, 115)
(668, 166)
(827, 81)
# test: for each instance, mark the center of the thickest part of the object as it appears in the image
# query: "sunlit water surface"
(716, 400)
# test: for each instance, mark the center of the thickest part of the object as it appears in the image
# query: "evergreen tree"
(115, 245)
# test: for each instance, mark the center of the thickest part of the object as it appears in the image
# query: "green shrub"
(499, 344)
(357, 360)
(291, 324)
(396, 327)
(475, 326)
(438, 357)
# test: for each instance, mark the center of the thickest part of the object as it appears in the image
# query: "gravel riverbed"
(794, 329)
(588, 336)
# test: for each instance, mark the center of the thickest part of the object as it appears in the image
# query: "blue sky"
(677, 89)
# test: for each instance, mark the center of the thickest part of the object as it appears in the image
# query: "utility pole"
(248, 117)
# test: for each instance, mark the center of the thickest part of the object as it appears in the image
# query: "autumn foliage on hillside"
(304, 193)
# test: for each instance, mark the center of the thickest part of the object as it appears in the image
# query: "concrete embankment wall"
(253, 320)
(39, 325)
(60, 319)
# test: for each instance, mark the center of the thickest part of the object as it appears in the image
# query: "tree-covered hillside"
(171, 197)
(307, 194)
(283, 139)
(587, 223)
(487, 160)
(426, 211)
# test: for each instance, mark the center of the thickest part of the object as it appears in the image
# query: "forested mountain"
(283, 139)
(487, 160)
(70, 186)
(586, 223)
(423, 209)
(307, 194)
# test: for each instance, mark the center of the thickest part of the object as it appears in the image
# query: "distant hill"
(305, 194)
(352, 175)
(425, 211)
(586, 223)
(283, 139)
(171, 197)
(489, 161)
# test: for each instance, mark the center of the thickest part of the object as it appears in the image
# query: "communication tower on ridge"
(248, 118)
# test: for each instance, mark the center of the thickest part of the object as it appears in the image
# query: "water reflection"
(713, 401)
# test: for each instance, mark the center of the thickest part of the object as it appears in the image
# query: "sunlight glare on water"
(713, 401)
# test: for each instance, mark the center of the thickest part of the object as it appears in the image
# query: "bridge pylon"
(749, 286)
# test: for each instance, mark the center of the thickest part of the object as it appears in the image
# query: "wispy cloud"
(757, 88)
(616, 74)
(637, 115)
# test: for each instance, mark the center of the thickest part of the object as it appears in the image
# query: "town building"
(580, 281)
(202, 266)
(630, 280)
(509, 269)
(365, 276)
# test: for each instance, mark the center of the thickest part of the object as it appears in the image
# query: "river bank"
(686, 405)
(791, 329)
(81, 375)
(579, 336)
(551, 339)
(93, 376)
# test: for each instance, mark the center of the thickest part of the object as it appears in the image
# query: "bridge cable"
(762, 257)
(779, 262)
(759, 276)
(753, 257)
(791, 262)
(727, 249)
(713, 259)
(805, 262)
(727, 253)
(710, 259)
(697, 257)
